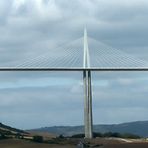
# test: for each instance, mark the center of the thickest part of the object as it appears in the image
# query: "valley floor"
(100, 143)
(15, 143)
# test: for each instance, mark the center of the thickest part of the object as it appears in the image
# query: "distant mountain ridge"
(139, 128)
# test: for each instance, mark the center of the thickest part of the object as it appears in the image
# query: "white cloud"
(37, 9)
(18, 3)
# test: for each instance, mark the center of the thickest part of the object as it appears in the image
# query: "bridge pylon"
(88, 118)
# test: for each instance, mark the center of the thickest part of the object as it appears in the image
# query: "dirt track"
(131, 145)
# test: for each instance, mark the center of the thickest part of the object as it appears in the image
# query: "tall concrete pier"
(88, 119)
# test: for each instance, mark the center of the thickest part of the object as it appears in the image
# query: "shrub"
(2, 136)
(61, 136)
(38, 139)
(97, 135)
(78, 136)
(132, 136)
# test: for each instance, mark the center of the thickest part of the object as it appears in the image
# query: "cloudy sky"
(38, 99)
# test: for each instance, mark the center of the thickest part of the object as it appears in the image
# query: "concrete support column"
(88, 120)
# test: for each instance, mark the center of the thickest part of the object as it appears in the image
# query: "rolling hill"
(139, 128)
(10, 131)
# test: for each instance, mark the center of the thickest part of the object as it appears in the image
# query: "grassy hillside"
(7, 132)
(11, 129)
(10, 132)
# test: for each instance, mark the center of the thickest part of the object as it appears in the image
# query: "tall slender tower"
(88, 120)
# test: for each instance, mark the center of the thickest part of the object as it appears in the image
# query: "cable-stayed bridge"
(84, 54)
(76, 55)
